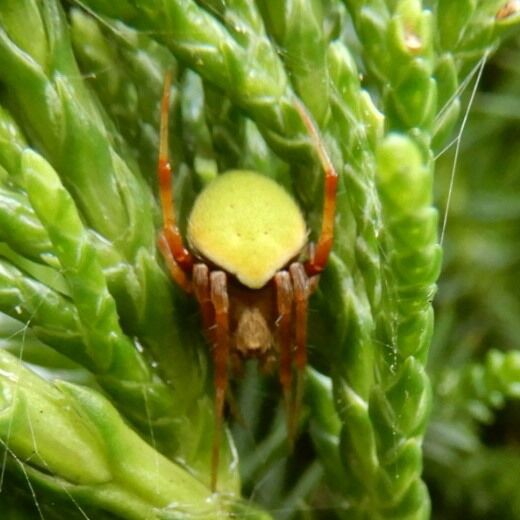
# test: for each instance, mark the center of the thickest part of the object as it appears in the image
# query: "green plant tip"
(247, 224)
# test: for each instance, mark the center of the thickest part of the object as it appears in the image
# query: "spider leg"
(234, 409)
(300, 283)
(170, 236)
(320, 253)
(284, 303)
(180, 277)
(220, 300)
(201, 289)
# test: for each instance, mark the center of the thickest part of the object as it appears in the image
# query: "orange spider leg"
(180, 277)
(170, 236)
(300, 283)
(202, 294)
(220, 300)
(320, 253)
(284, 303)
(201, 289)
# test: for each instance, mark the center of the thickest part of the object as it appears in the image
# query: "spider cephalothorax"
(250, 268)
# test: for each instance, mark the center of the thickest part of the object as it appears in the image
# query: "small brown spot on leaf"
(412, 41)
(508, 9)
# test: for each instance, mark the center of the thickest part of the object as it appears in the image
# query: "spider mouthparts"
(253, 337)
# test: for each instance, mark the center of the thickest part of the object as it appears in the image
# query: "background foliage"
(109, 415)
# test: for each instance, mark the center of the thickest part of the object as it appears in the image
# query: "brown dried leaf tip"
(508, 9)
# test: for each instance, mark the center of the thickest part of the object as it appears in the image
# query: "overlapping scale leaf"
(398, 48)
(70, 438)
(47, 91)
(110, 262)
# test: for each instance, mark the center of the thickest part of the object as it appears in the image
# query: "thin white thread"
(458, 140)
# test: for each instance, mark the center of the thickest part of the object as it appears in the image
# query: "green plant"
(83, 294)
(474, 363)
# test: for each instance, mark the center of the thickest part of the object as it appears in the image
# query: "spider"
(247, 237)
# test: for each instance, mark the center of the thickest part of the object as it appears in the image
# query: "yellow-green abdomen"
(247, 224)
